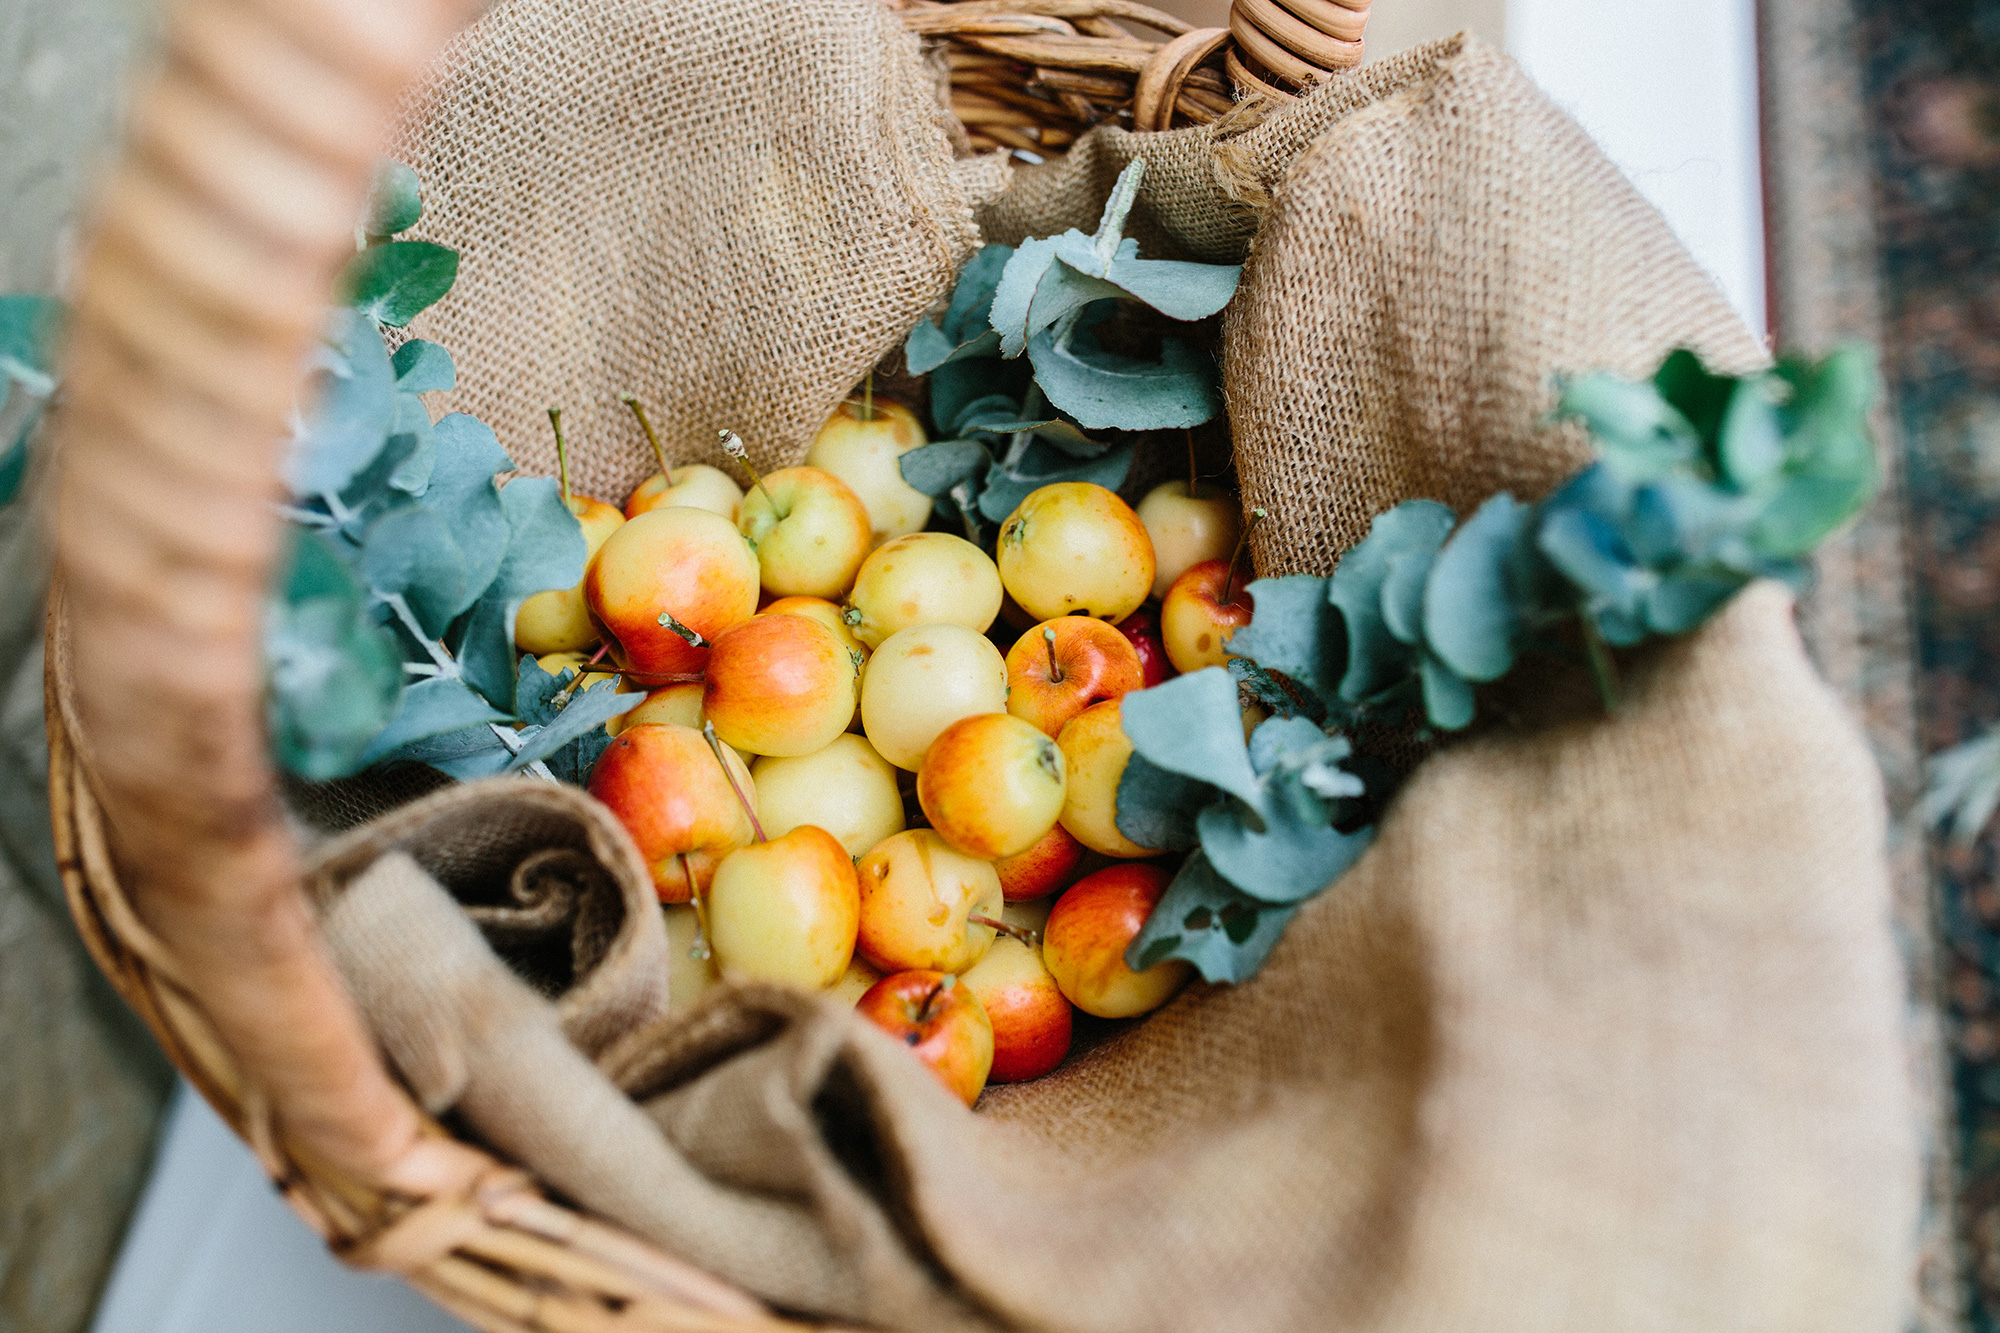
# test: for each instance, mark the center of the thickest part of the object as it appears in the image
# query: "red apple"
(940, 1021)
(1142, 630)
(991, 785)
(672, 795)
(1061, 667)
(1088, 930)
(1030, 1017)
(1041, 869)
(1203, 611)
(779, 685)
(919, 901)
(685, 564)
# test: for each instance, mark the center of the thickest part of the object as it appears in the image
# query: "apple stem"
(715, 744)
(652, 436)
(1228, 597)
(924, 1013)
(562, 451)
(1021, 933)
(1055, 671)
(732, 444)
(868, 397)
(561, 699)
(693, 636)
(699, 948)
(1194, 474)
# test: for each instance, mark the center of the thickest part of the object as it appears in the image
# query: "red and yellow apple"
(918, 901)
(1142, 630)
(1031, 1019)
(923, 679)
(679, 704)
(1188, 528)
(693, 486)
(1086, 936)
(779, 685)
(940, 1021)
(558, 621)
(922, 579)
(785, 910)
(668, 789)
(845, 788)
(991, 785)
(1203, 611)
(1061, 667)
(1045, 866)
(831, 616)
(1075, 548)
(1095, 752)
(864, 445)
(667, 566)
(855, 982)
(809, 530)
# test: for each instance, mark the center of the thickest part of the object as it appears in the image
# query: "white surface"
(1670, 93)
(213, 1249)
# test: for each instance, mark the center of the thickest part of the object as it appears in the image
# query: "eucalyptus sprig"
(1704, 483)
(1004, 429)
(30, 328)
(392, 638)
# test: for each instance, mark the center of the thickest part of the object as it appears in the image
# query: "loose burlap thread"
(1604, 1031)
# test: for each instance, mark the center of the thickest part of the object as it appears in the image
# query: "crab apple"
(919, 899)
(855, 981)
(1203, 611)
(779, 685)
(1031, 1019)
(673, 796)
(1074, 547)
(1061, 667)
(991, 785)
(1085, 939)
(831, 616)
(1142, 630)
(1043, 867)
(940, 1021)
(666, 567)
(845, 788)
(785, 910)
(925, 578)
(558, 621)
(863, 445)
(1187, 528)
(692, 486)
(809, 530)
(923, 679)
(691, 971)
(1095, 752)
(679, 704)
(557, 663)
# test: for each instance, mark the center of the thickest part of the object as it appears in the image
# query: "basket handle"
(209, 261)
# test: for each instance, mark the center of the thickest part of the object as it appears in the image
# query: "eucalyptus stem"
(1603, 670)
(562, 451)
(1017, 444)
(652, 436)
(446, 665)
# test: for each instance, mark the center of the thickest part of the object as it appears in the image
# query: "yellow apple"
(925, 578)
(809, 530)
(1095, 751)
(918, 898)
(694, 486)
(785, 910)
(845, 788)
(992, 785)
(559, 621)
(923, 679)
(855, 981)
(1075, 548)
(1206, 606)
(866, 452)
(1187, 529)
(689, 975)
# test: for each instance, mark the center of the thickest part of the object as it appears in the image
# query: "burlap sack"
(1602, 1032)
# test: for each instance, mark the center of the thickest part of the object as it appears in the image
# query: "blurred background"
(1834, 164)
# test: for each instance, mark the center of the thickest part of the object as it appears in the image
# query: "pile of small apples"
(871, 755)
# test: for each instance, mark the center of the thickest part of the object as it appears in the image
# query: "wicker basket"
(215, 247)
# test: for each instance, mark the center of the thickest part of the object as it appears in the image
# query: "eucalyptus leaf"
(1104, 391)
(1376, 659)
(1640, 432)
(461, 490)
(1043, 466)
(1015, 293)
(395, 282)
(1192, 725)
(1296, 630)
(587, 709)
(30, 329)
(1177, 289)
(423, 367)
(545, 548)
(1403, 594)
(967, 330)
(935, 468)
(1157, 808)
(1207, 921)
(431, 707)
(395, 200)
(467, 753)
(335, 680)
(410, 552)
(1697, 394)
(1277, 857)
(1448, 698)
(351, 405)
(1751, 445)
(1471, 620)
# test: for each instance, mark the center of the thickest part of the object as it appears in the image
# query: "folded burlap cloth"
(1604, 1032)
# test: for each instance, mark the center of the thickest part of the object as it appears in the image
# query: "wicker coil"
(215, 245)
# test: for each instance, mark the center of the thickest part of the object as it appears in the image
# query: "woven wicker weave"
(209, 263)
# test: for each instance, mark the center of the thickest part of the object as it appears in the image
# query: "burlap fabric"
(1604, 1031)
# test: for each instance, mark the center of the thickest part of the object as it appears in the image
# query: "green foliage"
(1046, 301)
(30, 327)
(419, 562)
(1706, 482)
(1963, 787)
(395, 201)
